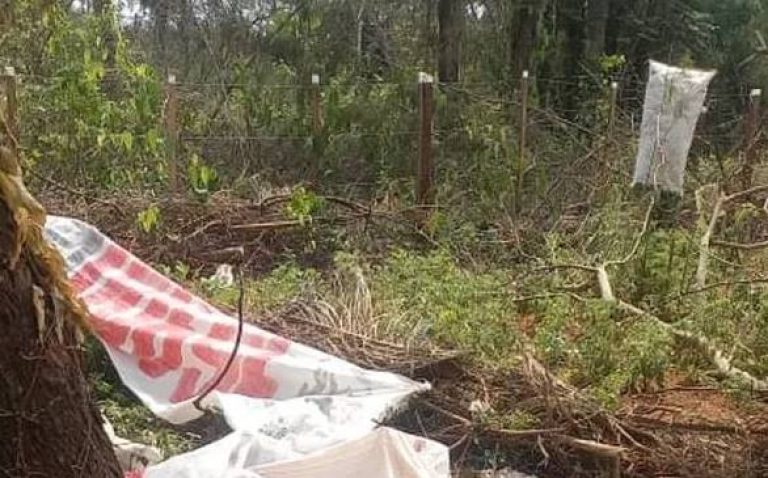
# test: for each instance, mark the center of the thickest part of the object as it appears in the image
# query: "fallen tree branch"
(340, 201)
(716, 356)
(445, 412)
(552, 267)
(526, 433)
(706, 238)
(700, 426)
(701, 269)
(606, 291)
(746, 192)
(742, 246)
(601, 272)
(266, 225)
(591, 446)
(608, 452)
(716, 285)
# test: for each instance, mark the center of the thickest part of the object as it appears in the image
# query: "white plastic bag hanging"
(674, 98)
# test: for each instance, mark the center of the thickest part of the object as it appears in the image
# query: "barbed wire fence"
(299, 132)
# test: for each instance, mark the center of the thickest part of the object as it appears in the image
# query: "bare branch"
(527, 433)
(639, 239)
(701, 270)
(606, 291)
(267, 225)
(746, 192)
(706, 238)
(757, 280)
(581, 267)
(601, 449)
(742, 246)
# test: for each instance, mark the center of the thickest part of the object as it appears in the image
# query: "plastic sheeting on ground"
(674, 98)
(288, 404)
(383, 453)
(131, 455)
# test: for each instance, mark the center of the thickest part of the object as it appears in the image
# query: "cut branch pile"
(575, 436)
(201, 234)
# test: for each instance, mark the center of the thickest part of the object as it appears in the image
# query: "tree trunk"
(428, 40)
(162, 18)
(48, 423)
(523, 34)
(571, 22)
(597, 21)
(450, 21)
(104, 10)
(376, 44)
(6, 13)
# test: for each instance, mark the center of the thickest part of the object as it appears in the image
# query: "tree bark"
(6, 12)
(376, 41)
(428, 36)
(450, 20)
(49, 426)
(105, 11)
(571, 22)
(597, 21)
(162, 18)
(524, 34)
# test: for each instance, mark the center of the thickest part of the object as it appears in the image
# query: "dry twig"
(706, 239)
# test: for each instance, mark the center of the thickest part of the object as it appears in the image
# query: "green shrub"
(456, 307)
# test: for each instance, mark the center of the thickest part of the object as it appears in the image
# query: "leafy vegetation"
(508, 258)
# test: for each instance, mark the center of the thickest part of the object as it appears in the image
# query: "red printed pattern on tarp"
(139, 311)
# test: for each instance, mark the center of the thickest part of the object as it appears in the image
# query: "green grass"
(129, 417)
(424, 296)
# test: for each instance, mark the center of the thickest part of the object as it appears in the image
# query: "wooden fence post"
(606, 139)
(171, 123)
(612, 109)
(751, 136)
(11, 107)
(425, 193)
(522, 138)
(317, 128)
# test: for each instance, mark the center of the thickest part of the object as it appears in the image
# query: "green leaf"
(149, 219)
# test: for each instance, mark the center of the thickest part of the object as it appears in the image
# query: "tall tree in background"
(105, 10)
(160, 11)
(523, 32)
(6, 12)
(428, 36)
(376, 42)
(450, 19)
(596, 23)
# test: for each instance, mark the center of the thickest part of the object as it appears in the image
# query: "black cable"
(238, 338)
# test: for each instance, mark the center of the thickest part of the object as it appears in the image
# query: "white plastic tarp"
(383, 453)
(674, 98)
(285, 402)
